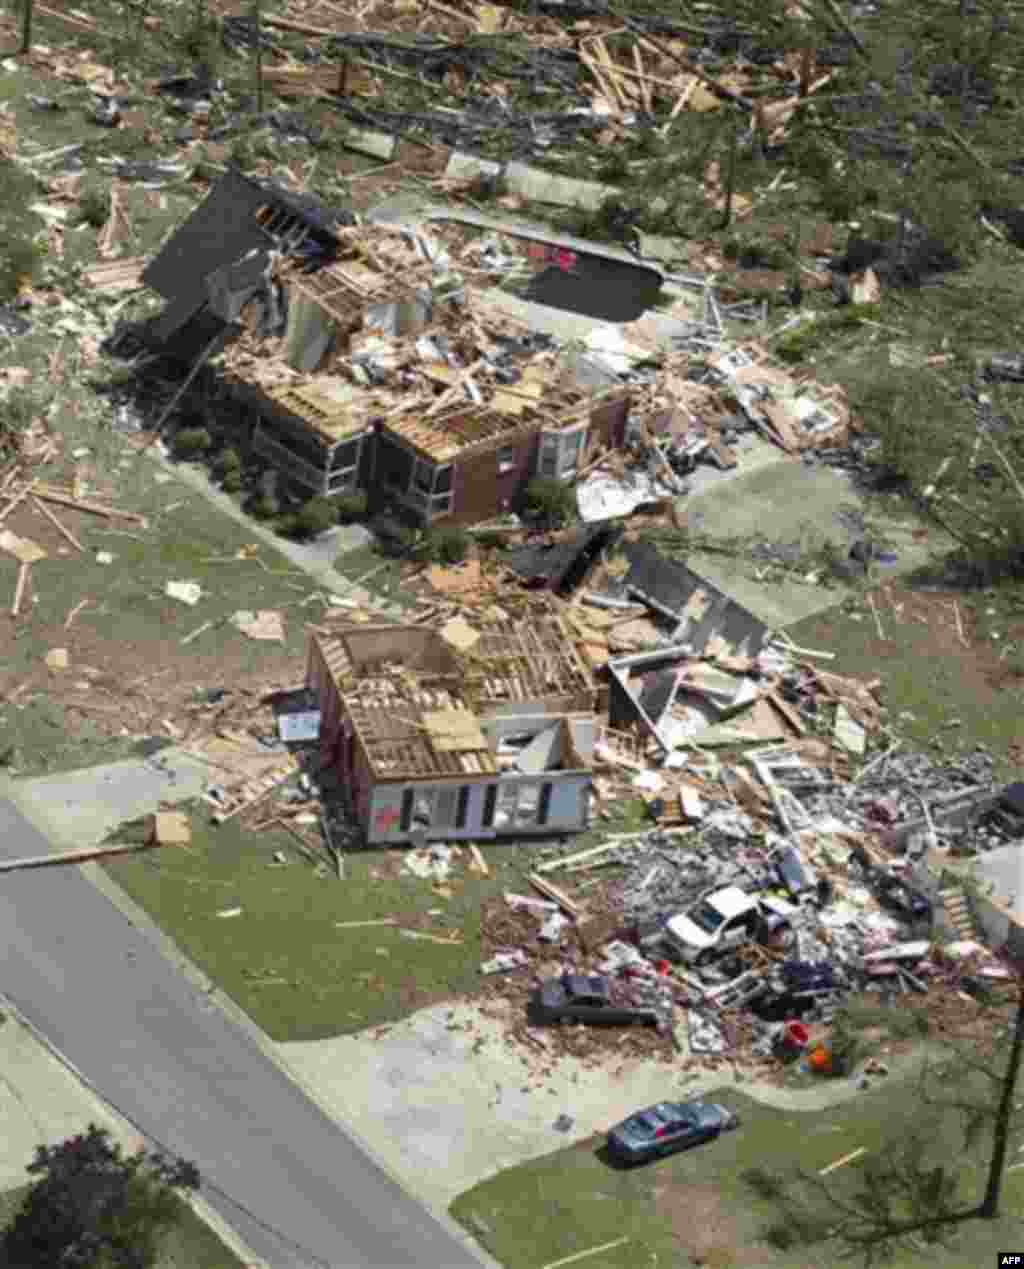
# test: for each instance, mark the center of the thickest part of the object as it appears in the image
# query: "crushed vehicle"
(586, 998)
(667, 1127)
(724, 920)
(796, 988)
(897, 897)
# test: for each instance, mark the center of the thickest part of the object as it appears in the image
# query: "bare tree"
(903, 1196)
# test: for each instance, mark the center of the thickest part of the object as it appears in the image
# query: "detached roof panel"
(702, 609)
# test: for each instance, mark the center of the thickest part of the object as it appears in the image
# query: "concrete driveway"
(450, 1100)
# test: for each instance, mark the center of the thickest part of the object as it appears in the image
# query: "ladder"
(249, 793)
(957, 908)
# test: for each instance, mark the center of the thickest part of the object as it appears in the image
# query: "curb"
(199, 1205)
(167, 948)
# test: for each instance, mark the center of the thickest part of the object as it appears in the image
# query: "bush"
(445, 546)
(20, 255)
(231, 481)
(550, 502)
(264, 508)
(93, 208)
(227, 460)
(490, 541)
(192, 441)
(351, 507)
(315, 516)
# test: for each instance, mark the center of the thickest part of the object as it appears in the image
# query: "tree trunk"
(989, 1208)
(26, 27)
(258, 31)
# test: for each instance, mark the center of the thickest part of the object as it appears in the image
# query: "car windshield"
(706, 917)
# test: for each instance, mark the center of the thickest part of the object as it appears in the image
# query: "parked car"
(897, 897)
(668, 1127)
(585, 998)
(724, 920)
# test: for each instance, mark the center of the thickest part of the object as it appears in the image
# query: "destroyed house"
(364, 363)
(463, 732)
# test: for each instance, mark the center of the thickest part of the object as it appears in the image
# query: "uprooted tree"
(94, 1208)
(911, 1193)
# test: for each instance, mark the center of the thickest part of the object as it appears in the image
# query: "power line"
(144, 1136)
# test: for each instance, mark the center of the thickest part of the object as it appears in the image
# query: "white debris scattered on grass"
(430, 862)
(267, 624)
(187, 592)
(230, 912)
(104, 557)
(503, 962)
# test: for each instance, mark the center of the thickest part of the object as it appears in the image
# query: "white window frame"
(560, 454)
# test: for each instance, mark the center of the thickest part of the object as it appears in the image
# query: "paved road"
(164, 1055)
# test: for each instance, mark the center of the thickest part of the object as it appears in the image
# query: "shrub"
(445, 545)
(191, 441)
(227, 460)
(231, 481)
(93, 208)
(351, 507)
(264, 508)
(490, 541)
(549, 501)
(315, 516)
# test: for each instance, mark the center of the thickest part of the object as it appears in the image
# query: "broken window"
(431, 488)
(508, 458)
(490, 801)
(462, 812)
(561, 452)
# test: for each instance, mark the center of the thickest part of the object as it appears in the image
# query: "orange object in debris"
(820, 1059)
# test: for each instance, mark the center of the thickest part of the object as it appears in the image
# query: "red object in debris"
(663, 967)
(797, 1036)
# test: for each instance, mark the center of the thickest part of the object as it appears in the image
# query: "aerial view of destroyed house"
(510, 676)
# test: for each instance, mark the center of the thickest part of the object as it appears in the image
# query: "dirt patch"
(705, 1227)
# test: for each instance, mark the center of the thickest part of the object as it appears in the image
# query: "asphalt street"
(297, 1189)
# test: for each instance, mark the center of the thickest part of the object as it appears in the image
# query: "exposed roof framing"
(416, 704)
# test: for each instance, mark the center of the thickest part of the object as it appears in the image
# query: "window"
(560, 452)
(545, 804)
(462, 811)
(406, 820)
(508, 459)
(490, 801)
(431, 487)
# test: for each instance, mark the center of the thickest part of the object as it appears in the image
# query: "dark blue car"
(668, 1127)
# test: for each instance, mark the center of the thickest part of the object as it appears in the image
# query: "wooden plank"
(65, 533)
(74, 856)
(19, 589)
(553, 892)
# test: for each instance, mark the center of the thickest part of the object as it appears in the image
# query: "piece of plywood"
(459, 635)
(23, 549)
(454, 731)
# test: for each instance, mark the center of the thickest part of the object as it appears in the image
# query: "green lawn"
(283, 960)
(925, 669)
(694, 1208)
(192, 1244)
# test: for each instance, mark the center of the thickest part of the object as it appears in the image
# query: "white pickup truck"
(725, 919)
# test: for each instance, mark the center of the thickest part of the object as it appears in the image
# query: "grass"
(192, 1244)
(695, 1208)
(283, 960)
(383, 574)
(929, 677)
(131, 629)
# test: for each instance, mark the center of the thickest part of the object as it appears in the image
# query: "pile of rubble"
(819, 860)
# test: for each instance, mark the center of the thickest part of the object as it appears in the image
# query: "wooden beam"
(75, 856)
